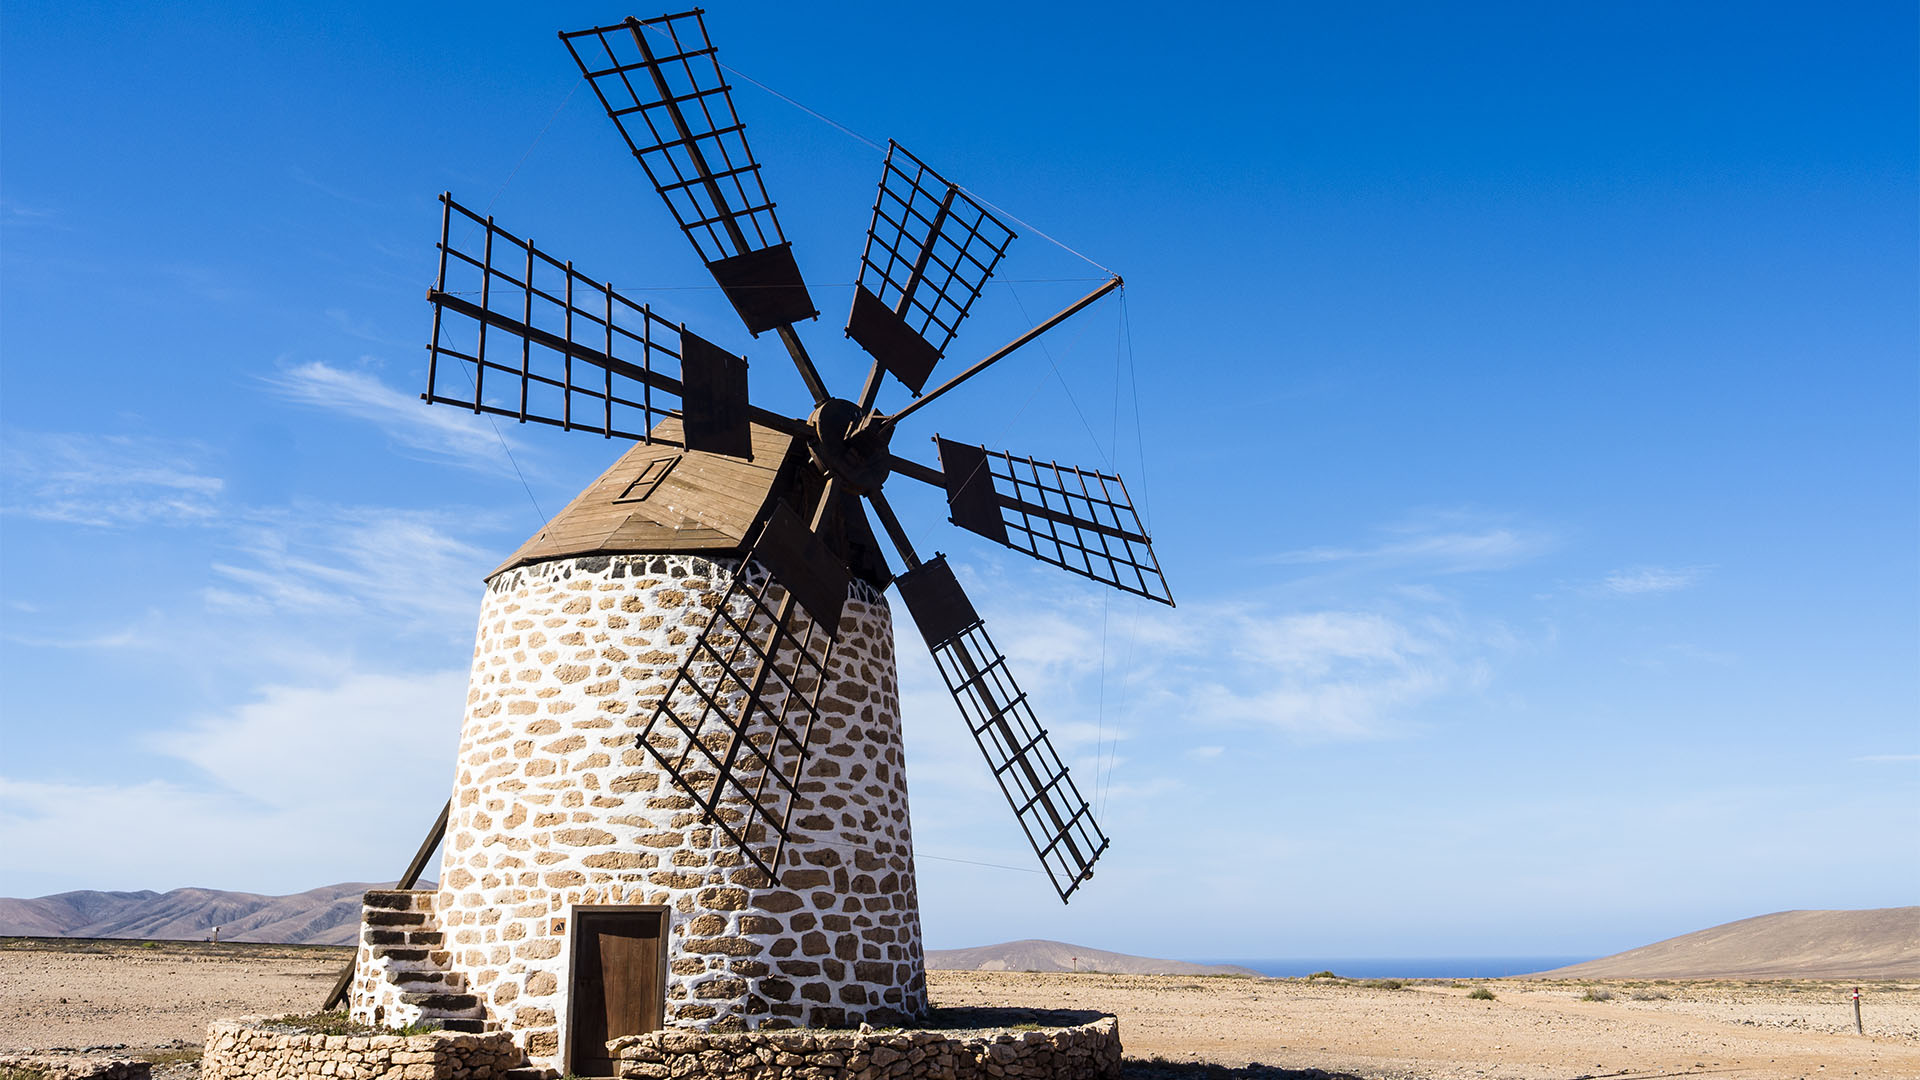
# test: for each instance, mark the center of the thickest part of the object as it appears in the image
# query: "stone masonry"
(555, 806)
(1089, 1051)
(250, 1048)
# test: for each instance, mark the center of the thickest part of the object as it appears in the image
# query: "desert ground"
(157, 998)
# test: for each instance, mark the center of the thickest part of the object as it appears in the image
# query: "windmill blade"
(734, 728)
(1081, 520)
(930, 250)
(542, 343)
(661, 84)
(1058, 822)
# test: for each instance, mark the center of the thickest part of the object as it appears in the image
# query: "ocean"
(1414, 967)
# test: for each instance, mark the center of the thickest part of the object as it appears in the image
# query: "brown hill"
(1034, 955)
(1877, 943)
(329, 915)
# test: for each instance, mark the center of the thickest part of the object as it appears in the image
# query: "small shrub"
(1384, 984)
(1481, 993)
(325, 1023)
(1649, 995)
(149, 944)
(1323, 975)
(418, 1027)
(1595, 993)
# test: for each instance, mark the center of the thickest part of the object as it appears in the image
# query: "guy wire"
(851, 133)
(488, 212)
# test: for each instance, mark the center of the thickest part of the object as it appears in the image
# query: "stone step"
(427, 939)
(396, 899)
(383, 917)
(426, 982)
(399, 952)
(441, 1001)
(461, 1023)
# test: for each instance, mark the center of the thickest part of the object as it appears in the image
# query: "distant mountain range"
(329, 915)
(1036, 955)
(1875, 943)
(1878, 943)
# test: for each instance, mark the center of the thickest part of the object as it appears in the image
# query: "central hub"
(847, 451)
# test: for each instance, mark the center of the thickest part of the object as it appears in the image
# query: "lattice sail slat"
(540, 342)
(930, 250)
(1037, 785)
(661, 84)
(734, 727)
(1081, 520)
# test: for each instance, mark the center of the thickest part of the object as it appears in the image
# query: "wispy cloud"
(301, 176)
(408, 565)
(16, 215)
(205, 282)
(343, 321)
(130, 637)
(1333, 674)
(341, 758)
(1260, 664)
(1450, 542)
(108, 480)
(1638, 580)
(309, 746)
(441, 434)
(1887, 759)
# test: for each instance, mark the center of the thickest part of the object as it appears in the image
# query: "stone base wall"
(1086, 1052)
(54, 1066)
(238, 1050)
(556, 806)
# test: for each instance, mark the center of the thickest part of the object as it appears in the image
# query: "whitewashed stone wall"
(555, 806)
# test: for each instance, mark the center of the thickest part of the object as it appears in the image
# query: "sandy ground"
(1533, 1030)
(102, 994)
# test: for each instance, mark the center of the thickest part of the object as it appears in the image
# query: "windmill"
(738, 537)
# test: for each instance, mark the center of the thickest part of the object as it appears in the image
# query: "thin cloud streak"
(1446, 543)
(1641, 580)
(108, 481)
(440, 434)
(407, 565)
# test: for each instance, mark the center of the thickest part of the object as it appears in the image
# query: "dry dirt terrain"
(1533, 1029)
(66, 992)
(90, 993)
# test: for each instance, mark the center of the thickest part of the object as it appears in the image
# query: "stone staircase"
(403, 975)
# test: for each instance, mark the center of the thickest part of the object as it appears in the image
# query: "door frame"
(573, 956)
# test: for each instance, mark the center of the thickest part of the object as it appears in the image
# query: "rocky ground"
(157, 1001)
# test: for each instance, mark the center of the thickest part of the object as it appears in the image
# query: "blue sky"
(1523, 399)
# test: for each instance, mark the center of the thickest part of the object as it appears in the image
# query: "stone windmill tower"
(680, 797)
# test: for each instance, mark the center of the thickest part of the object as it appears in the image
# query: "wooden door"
(619, 982)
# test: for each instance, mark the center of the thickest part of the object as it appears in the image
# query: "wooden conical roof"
(662, 498)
